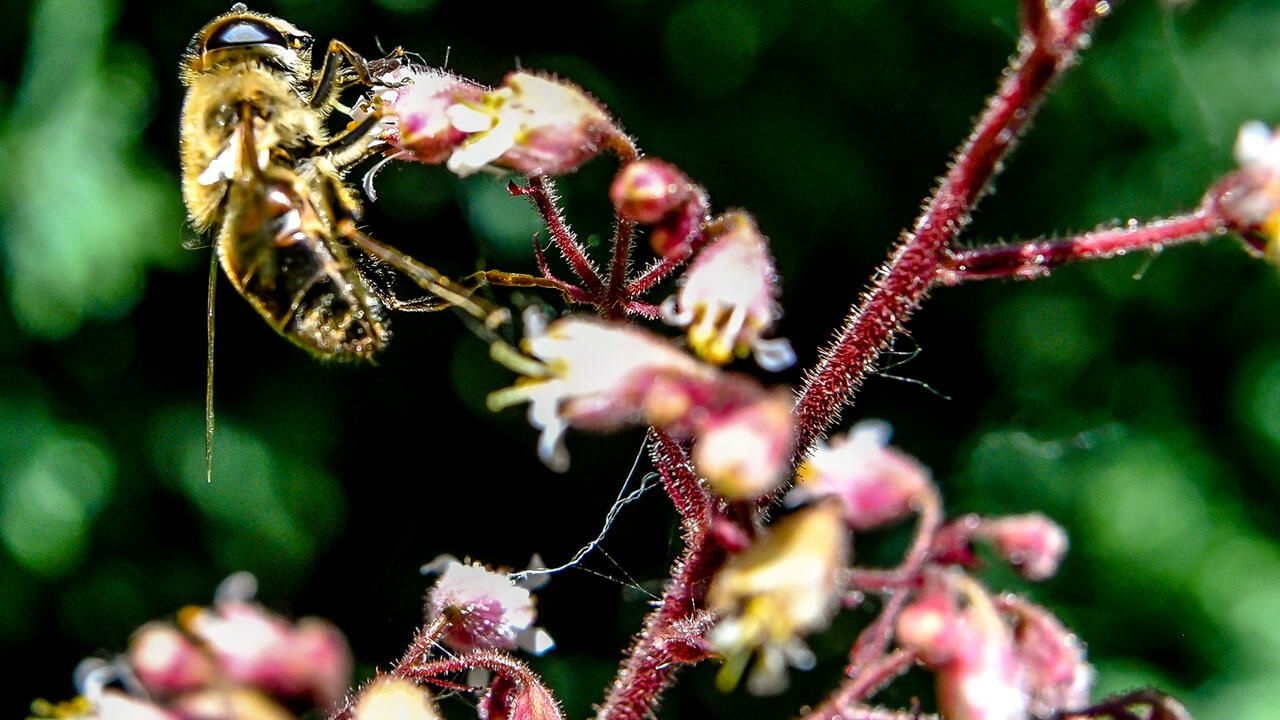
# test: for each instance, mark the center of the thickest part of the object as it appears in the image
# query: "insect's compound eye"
(243, 31)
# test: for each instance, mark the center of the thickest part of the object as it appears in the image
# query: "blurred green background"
(1136, 401)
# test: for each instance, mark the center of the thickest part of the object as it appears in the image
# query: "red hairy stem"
(497, 662)
(844, 702)
(650, 664)
(874, 638)
(913, 266)
(653, 274)
(541, 193)
(614, 303)
(1037, 258)
(681, 483)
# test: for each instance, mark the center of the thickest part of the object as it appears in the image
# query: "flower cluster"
(235, 660)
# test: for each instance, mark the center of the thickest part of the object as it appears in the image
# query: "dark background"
(1137, 401)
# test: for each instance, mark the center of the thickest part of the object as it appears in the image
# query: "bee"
(263, 175)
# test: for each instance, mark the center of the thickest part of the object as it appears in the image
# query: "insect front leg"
(332, 78)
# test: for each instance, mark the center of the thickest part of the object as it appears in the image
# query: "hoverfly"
(262, 174)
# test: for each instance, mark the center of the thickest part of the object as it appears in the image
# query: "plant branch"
(1036, 258)
(541, 193)
(844, 702)
(913, 266)
(650, 665)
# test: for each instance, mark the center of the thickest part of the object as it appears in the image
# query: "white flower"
(535, 125)
(599, 375)
(728, 296)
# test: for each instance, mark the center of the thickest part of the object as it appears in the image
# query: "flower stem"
(915, 262)
(542, 194)
(1037, 258)
(650, 666)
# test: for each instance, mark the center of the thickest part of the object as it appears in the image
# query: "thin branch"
(541, 193)
(1036, 258)
(845, 701)
(614, 302)
(650, 665)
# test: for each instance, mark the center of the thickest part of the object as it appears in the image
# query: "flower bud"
(648, 190)
(166, 662)
(672, 238)
(728, 296)
(1033, 543)
(394, 699)
(876, 484)
(746, 453)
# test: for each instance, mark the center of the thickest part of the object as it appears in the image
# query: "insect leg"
(427, 278)
(352, 144)
(331, 80)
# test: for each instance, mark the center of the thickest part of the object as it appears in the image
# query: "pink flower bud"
(394, 699)
(1033, 543)
(166, 662)
(485, 609)
(746, 453)
(728, 296)
(876, 484)
(673, 236)
(784, 586)
(532, 124)
(1058, 675)
(648, 190)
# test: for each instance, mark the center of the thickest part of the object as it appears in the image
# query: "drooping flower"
(1058, 675)
(784, 586)
(256, 647)
(484, 609)
(955, 627)
(728, 296)
(531, 124)
(875, 483)
(602, 375)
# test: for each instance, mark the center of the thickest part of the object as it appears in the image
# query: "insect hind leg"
(449, 292)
